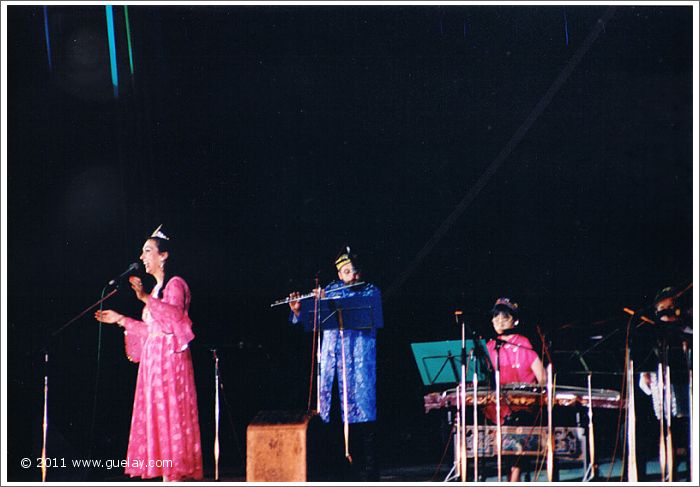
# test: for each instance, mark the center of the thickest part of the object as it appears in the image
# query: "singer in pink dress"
(164, 440)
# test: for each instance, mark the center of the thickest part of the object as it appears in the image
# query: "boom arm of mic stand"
(72, 320)
(595, 345)
(606, 337)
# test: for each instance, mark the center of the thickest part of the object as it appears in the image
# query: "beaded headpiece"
(505, 304)
(343, 258)
(159, 233)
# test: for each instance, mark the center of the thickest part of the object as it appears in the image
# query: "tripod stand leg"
(454, 474)
(216, 416)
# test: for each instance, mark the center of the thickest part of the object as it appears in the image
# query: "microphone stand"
(550, 426)
(476, 353)
(219, 393)
(480, 356)
(664, 381)
(463, 405)
(317, 344)
(216, 414)
(590, 471)
(498, 407)
(454, 472)
(315, 341)
(688, 360)
(45, 418)
(632, 474)
(475, 417)
(346, 423)
(550, 406)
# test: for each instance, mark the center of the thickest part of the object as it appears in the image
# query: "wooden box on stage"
(282, 446)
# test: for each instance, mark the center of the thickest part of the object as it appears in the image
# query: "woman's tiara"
(158, 233)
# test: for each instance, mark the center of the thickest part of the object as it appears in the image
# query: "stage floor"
(422, 473)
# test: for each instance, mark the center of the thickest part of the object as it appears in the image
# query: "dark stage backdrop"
(267, 138)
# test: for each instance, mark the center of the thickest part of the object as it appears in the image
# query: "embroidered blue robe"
(360, 362)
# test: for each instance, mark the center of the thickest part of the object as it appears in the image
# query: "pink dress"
(164, 440)
(515, 360)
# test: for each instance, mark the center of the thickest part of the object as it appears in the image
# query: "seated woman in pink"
(512, 354)
(164, 440)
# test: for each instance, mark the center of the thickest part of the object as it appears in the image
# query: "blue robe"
(360, 362)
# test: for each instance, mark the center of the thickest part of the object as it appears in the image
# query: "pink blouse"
(514, 360)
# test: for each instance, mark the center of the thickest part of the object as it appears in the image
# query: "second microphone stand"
(478, 356)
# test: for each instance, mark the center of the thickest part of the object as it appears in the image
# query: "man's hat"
(667, 292)
(673, 312)
(343, 258)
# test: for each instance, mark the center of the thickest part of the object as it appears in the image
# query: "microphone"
(132, 267)
(509, 331)
(478, 349)
(545, 345)
(641, 316)
(578, 355)
(458, 318)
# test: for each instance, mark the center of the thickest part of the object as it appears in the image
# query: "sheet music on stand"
(359, 312)
(439, 362)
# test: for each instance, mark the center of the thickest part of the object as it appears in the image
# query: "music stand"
(439, 362)
(344, 313)
(358, 312)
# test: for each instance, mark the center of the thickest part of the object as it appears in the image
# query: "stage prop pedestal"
(283, 446)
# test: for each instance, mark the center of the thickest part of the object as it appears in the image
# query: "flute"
(310, 295)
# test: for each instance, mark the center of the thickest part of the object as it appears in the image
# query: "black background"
(267, 138)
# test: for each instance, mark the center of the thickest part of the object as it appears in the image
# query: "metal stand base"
(454, 473)
(589, 474)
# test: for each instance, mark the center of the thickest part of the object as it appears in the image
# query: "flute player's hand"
(294, 303)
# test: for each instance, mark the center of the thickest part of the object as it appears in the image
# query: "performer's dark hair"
(164, 245)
